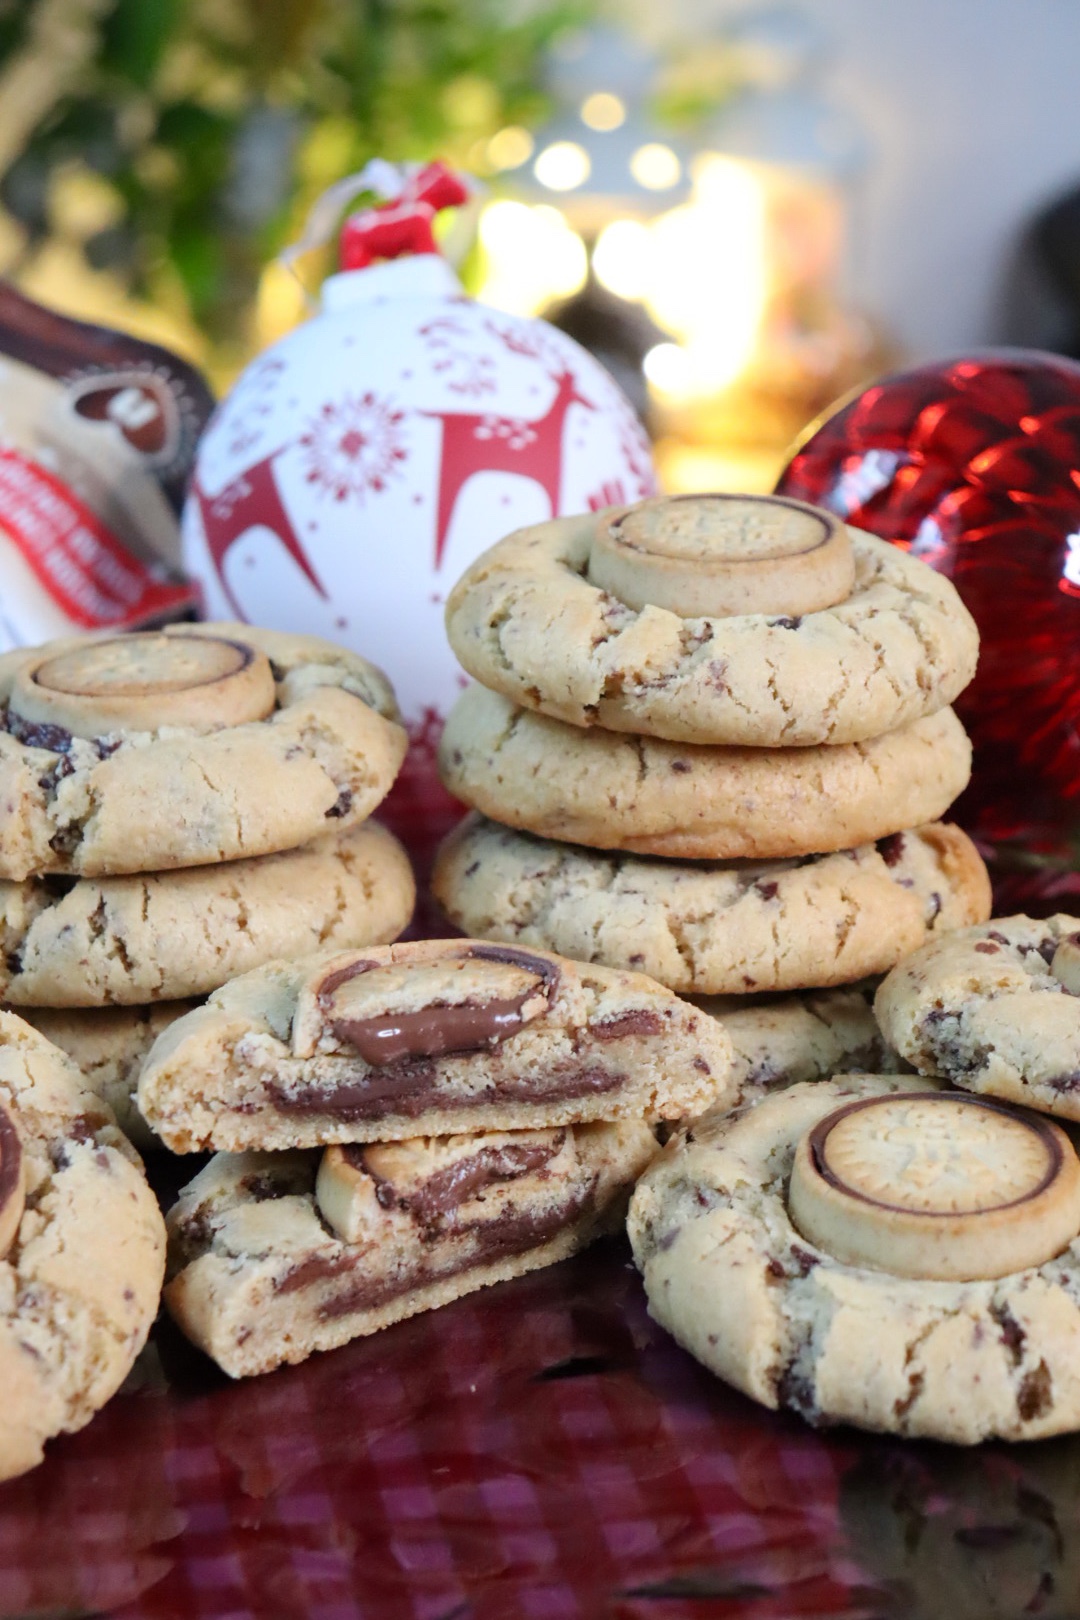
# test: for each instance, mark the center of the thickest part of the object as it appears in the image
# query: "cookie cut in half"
(649, 797)
(878, 1251)
(994, 1009)
(717, 928)
(185, 747)
(530, 619)
(276, 1255)
(427, 1038)
(82, 1245)
(95, 942)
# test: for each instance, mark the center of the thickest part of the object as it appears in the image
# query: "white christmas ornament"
(359, 466)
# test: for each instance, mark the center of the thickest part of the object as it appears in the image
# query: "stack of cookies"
(711, 742)
(179, 807)
(897, 1252)
(394, 1127)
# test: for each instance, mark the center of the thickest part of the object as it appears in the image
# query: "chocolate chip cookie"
(876, 1251)
(92, 942)
(994, 1009)
(82, 1243)
(780, 1041)
(276, 1255)
(426, 1039)
(649, 797)
(532, 619)
(109, 1044)
(715, 928)
(186, 746)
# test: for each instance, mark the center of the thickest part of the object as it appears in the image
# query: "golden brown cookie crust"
(79, 1288)
(176, 796)
(526, 622)
(715, 928)
(650, 797)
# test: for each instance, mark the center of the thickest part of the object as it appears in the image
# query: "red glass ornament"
(973, 464)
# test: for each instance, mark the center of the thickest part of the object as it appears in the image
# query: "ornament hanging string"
(413, 193)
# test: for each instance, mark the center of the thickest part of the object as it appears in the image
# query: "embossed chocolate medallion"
(142, 682)
(719, 555)
(936, 1185)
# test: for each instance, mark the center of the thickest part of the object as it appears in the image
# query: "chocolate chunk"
(50, 779)
(1012, 1334)
(510, 1234)
(767, 891)
(681, 766)
(434, 1031)
(316, 1268)
(66, 841)
(442, 1027)
(1064, 1082)
(341, 805)
(786, 623)
(638, 1021)
(701, 1066)
(987, 947)
(1035, 1396)
(411, 1090)
(13, 962)
(447, 1189)
(891, 849)
(38, 733)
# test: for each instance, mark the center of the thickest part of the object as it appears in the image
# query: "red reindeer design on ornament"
(471, 441)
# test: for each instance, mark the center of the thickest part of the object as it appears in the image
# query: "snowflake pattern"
(354, 446)
(455, 358)
(517, 433)
(252, 403)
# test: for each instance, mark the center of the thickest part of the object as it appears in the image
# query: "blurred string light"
(728, 251)
(660, 226)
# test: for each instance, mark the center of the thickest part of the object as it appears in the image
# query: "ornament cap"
(425, 276)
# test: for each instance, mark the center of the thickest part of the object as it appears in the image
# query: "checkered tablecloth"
(538, 1451)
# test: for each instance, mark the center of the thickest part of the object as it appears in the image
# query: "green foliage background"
(209, 126)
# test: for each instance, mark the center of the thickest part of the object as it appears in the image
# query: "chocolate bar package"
(97, 436)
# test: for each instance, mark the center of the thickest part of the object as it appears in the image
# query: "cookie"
(782, 1040)
(650, 797)
(717, 556)
(526, 621)
(276, 1255)
(92, 942)
(109, 1044)
(994, 1009)
(79, 1284)
(426, 1039)
(838, 1251)
(715, 929)
(186, 746)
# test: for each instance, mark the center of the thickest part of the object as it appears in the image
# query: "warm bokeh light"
(667, 367)
(562, 166)
(602, 111)
(656, 167)
(531, 256)
(710, 281)
(622, 258)
(509, 148)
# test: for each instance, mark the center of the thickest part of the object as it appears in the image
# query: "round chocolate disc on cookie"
(143, 682)
(712, 556)
(936, 1185)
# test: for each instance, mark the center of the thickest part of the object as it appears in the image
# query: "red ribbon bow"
(404, 225)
